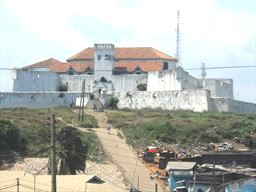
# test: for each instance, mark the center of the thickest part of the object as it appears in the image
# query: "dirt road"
(123, 156)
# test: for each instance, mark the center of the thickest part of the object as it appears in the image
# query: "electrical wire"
(7, 187)
(32, 188)
(224, 67)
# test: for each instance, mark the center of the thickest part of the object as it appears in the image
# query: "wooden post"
(34, 182)
(83, 95)
(138, 184)
(18, 184)
(53, 158)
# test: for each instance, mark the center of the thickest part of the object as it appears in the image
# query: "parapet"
(104, 46)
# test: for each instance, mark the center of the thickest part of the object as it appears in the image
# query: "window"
(160, 75)
(107, 57)
(138, 71)
(99, 57)
(165, 66)
(71, 71)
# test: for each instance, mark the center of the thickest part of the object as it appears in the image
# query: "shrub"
(142, 87)
(62, 88)
(10, 137)
(112, 102)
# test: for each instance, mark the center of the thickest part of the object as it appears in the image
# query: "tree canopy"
(71, 153)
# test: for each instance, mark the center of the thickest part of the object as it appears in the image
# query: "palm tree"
(71, 153)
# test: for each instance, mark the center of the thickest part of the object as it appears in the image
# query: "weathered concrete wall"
(230, 105)
(102, 98)
(128, 82)
(125, 82)
(35, 81)
(37, 100)
(194, 100)
(163, 81)
(169, 80)
(75, 82)
(219, 87)
(187, 81)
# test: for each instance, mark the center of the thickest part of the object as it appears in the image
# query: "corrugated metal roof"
(180, 165)
(75, 183)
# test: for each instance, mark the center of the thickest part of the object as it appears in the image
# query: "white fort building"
(140, 77)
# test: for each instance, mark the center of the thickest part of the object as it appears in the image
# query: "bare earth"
(123, 156)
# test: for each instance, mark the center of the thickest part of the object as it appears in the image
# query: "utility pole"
(18, 184)
(34, 182)
(83, 90)
(138, 184)
(81, 106)
(53, 158)
(178, 54)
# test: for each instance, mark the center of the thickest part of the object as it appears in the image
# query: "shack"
(178, 171)
(234, 158)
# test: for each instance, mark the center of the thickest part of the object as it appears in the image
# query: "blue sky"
(216, 32)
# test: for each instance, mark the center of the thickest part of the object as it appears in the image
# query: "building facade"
(139, 76)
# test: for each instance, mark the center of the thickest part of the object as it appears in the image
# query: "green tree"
(10, 137)
(71, 153)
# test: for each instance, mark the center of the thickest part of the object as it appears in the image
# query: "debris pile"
(32, 165)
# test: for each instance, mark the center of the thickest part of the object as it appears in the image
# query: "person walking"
(109, 126)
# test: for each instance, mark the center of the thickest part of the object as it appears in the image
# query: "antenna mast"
(203, 71)
(178, 56)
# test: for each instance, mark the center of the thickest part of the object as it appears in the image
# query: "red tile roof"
(125, 53)
(43, 64)
(144, 66)
(60, 67)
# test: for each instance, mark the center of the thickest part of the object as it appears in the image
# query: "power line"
(225, 67)
(239, 66)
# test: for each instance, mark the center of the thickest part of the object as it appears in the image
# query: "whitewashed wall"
(194, 100)
(37, 100)
(219, 87)
(128, 82)
(163, 81)
(35, 81)
(231, 105)
(75, 82)
(169, 80)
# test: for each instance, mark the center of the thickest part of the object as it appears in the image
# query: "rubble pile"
(32, 165)
(191, 149)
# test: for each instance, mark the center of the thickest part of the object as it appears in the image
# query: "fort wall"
(192, 100)
(35, 81)
(37, 99)
(231, 105)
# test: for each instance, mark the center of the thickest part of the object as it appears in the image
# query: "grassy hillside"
(33, 129)
(143, 127)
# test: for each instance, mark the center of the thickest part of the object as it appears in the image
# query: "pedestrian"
(109, 128)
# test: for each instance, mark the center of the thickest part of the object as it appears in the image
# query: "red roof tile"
(81, 67)
(125, 53)
(60, 67)
(145, 66)
(43, 64)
